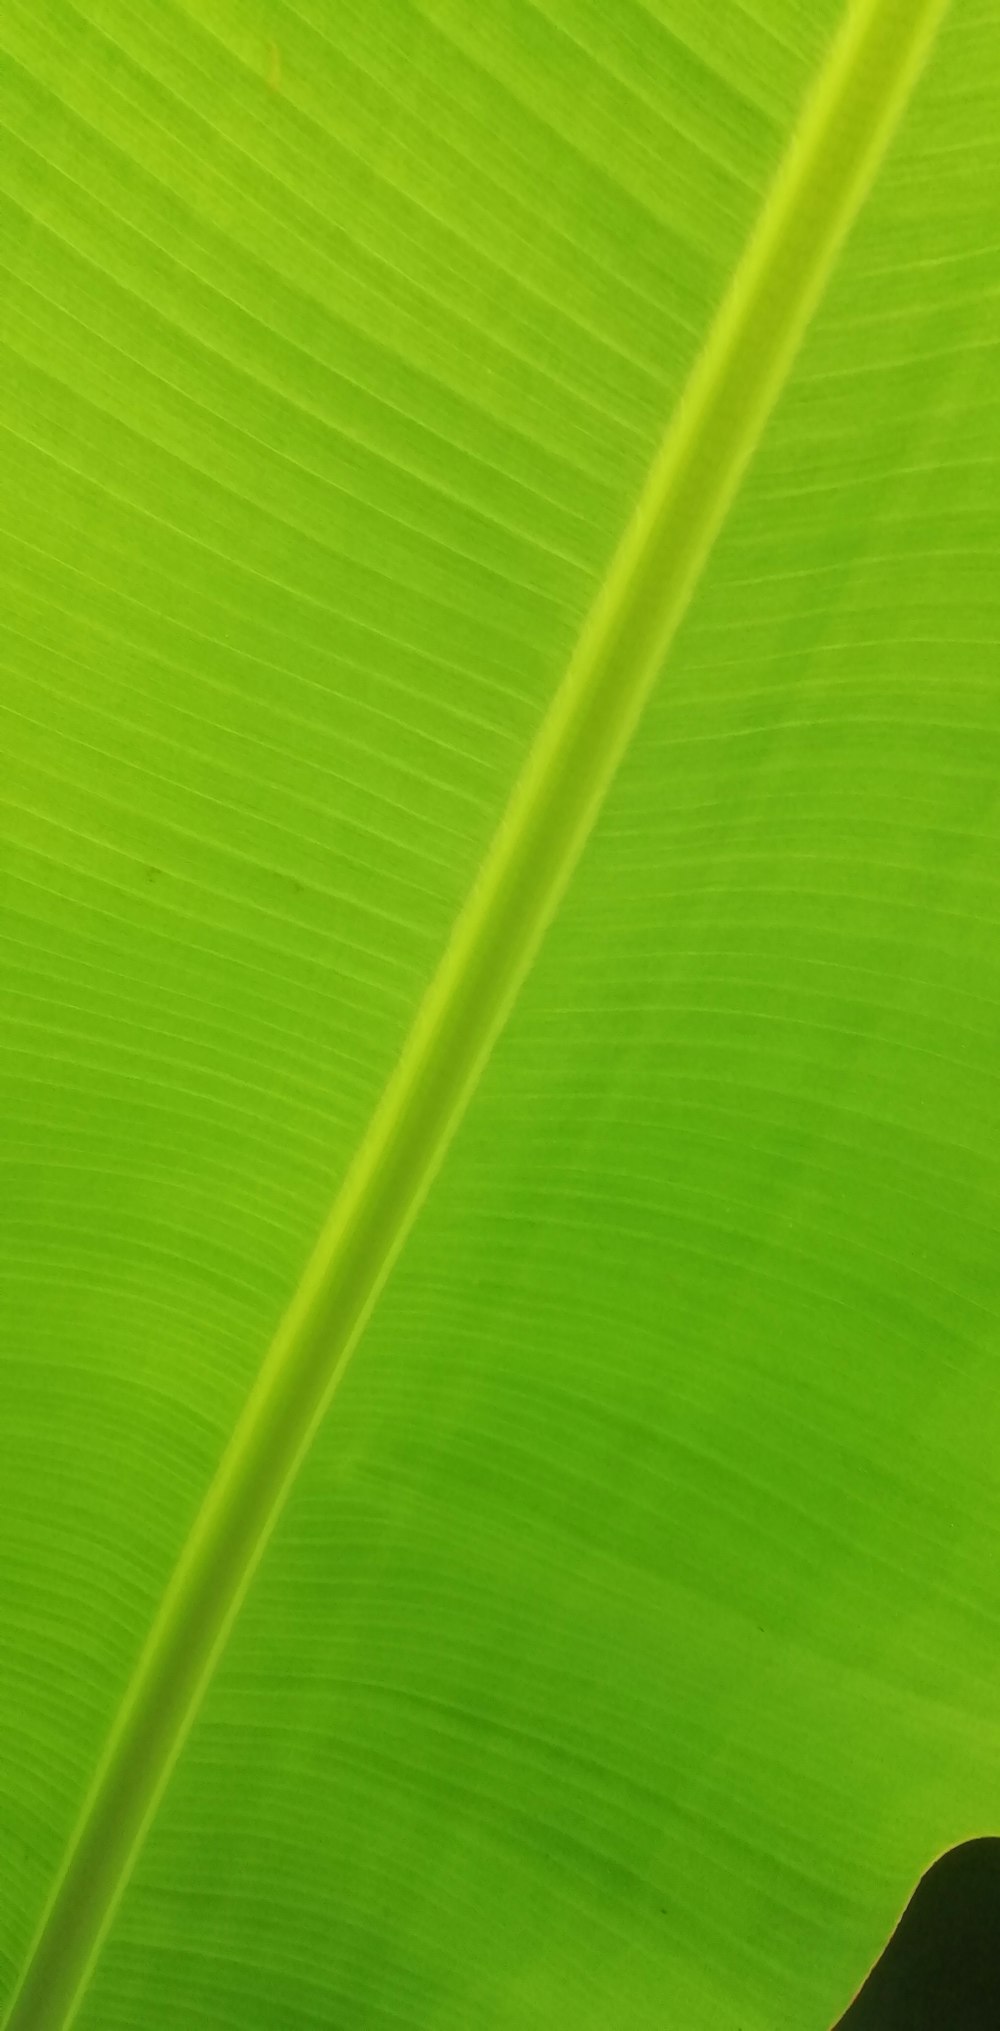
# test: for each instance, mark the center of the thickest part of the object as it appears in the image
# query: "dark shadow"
(941, 1968)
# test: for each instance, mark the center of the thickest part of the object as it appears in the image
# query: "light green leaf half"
(626, 1647)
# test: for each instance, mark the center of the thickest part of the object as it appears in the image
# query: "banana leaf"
(501, 738)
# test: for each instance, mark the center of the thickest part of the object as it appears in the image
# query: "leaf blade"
(833, 157)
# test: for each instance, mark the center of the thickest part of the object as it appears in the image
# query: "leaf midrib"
(829, 166)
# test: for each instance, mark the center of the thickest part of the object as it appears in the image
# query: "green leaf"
(626, 1647)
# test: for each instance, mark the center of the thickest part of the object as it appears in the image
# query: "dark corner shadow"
(941, 1968)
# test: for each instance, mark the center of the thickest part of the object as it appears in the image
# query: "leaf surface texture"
(628, 1645)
